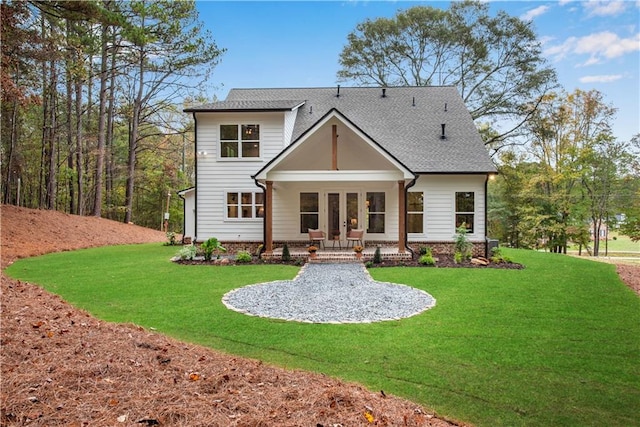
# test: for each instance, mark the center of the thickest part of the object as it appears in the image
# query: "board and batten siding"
(439, 205)
(217, 176)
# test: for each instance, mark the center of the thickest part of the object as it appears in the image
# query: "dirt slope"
(61, 367)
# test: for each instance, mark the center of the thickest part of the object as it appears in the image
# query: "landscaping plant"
(210, 246)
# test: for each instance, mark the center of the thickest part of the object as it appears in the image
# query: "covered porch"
(334, 179)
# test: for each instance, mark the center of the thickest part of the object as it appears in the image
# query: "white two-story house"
(406, 164)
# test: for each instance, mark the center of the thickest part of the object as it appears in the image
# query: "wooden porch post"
(402, 217)
(268, 218)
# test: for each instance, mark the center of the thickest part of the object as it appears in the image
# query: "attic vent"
(445, 106)
(338, 94)
(384, 92)
(413, 103)
(443, 135)
(311, 109)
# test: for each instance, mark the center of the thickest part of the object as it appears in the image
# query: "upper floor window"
(465, 209)
(245, 205)
(415, 212)
(240, 141)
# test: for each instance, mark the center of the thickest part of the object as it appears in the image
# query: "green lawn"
(555, 344)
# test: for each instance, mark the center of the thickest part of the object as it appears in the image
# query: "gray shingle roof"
(248, 105)
(406, 122)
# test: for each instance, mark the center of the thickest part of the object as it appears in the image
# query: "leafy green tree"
(168, 46)
(494, 61)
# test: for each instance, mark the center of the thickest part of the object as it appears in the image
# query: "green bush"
(286, 255)
(187, 252)
(171, 238)
(427, 259)
(243, 257)
(425, 250)
(377, 257)
(457, 257)
(210, 246)
(462, 243)
(368, 264)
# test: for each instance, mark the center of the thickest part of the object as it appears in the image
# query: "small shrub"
(457, 257)
(377, 257)
(299, 262)
(243, 257)
(427, 259)
(171, 238)
(286, 255)
(462, 243)
(424, 250)
(259, 249)
(497, 257)
(210, 246)
(187, 252)
(368, 264)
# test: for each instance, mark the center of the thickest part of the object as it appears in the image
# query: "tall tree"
(495, 62)
(168, 48)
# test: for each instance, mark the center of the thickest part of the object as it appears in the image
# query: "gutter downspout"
(264, 218)
(406, 214)
(486, 222)
(184, 215)
(195, 190)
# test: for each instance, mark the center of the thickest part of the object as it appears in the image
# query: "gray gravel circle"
(330, 293)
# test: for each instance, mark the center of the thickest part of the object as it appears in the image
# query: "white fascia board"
(406, 173)
(341, 176)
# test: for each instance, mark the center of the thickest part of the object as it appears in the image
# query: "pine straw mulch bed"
(60, 366)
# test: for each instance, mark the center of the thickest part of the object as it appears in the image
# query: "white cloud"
(601, 79)
(599, 46)
(534, 13)
(604, 8)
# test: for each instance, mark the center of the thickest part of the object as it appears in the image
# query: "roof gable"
(293, 150)
(404, 121)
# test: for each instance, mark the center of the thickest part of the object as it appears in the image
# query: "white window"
(465, 210)
(240, 141)
(244, 205)
(415, 212)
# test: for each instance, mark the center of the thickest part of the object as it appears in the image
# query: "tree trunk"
(102, 118)
(79, 145)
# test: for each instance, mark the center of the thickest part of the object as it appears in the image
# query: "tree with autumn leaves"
(89, 94)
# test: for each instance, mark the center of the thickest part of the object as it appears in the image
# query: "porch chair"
(317, 236)
(354, 236)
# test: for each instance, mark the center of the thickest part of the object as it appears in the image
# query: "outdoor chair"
(317, 237)
(354, 236)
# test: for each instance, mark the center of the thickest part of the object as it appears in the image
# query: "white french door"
(343, 214)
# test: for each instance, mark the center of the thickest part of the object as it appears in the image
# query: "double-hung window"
(240, 141)
(375, 205)
(244, 205)
(309, 211)
(465, 209)
(415, 212)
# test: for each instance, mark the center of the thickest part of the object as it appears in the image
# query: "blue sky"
(591, 44)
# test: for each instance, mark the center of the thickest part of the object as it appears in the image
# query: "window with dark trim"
(465, 210)
(240, 141)
(244, 205)
(415, 212)
(375, 214)
(309, 212)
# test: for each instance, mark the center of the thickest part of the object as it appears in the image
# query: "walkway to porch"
(341, 254)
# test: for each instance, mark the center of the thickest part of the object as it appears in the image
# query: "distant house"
(406, 164)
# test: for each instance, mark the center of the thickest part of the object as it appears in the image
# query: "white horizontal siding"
(439, 205)
(286, 207)
(217, 176)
